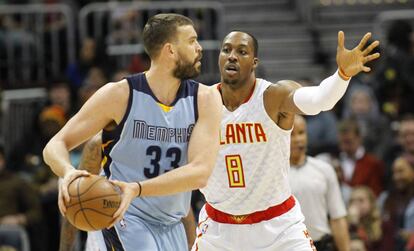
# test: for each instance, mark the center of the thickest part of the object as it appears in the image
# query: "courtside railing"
(119, 26)
(37, 42)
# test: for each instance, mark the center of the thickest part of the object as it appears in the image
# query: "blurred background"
(54, 54)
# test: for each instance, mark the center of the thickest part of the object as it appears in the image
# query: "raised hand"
(352, 62)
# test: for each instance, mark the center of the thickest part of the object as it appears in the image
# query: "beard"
(185, 69)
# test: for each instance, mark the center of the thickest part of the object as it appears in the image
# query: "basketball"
(93, 202)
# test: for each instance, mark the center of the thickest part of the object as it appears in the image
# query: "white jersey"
(251, 172)
(316, 187)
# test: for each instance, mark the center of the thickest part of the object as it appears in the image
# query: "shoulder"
(282, 87)
(276, 93)
(114, 90)
(209, 104)
(322, 166)
(209, 95)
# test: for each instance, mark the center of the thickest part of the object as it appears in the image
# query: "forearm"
(186, 178)
(340, 233)
(311, 100)
(67, 236)
(56, 156)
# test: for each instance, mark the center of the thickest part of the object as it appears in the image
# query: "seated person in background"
(360, 168)
(19, 205)
(397, 205)
(364, 217)
(357, 244)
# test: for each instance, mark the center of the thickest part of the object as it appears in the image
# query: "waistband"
(252, 218)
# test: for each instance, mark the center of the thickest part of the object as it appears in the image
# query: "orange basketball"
(93, 202)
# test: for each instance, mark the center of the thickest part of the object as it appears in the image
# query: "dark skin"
(238, 63)
(238, 52)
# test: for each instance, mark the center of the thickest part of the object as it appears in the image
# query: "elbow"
(45, 153)
(203, 176)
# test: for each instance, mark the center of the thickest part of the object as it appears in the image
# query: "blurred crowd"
(368, 138)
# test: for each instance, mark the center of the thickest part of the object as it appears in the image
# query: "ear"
(169, 50)
(255, 63)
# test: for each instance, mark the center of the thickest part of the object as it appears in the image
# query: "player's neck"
(235, 95)
(297, 161)
(163, 84)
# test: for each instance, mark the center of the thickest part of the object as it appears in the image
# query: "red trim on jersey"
(252, 218)
(248, 97)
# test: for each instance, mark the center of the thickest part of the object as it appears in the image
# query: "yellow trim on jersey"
(104, 160)
(165, 108)
(106, 144)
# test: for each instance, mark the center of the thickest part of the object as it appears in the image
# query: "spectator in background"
(59, 94)
(404, 145)
(361, 105)
(28, 159)
(315, 185)
(357, 244)
(119, 75)
(359, 167)
(397, 207)
(364, 217)
(396, 87)
(19, 206)
(333, 160)
(90, 55)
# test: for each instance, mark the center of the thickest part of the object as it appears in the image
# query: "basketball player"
(91, 161)
(249, 201)
(153, 123)
(315, 184)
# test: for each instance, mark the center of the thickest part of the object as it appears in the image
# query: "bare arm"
(340, 233)
(202, 152)
(93, 116)
(190, 228)
(90, 161)
(314, 99)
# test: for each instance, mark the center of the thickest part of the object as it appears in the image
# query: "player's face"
(299, 138)
(236, 59)
(189, 51)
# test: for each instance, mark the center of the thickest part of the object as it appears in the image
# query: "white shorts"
(95, 241)
(283, 233)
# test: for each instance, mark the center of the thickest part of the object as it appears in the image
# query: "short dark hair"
(407, 118)
(349, 125)
(160, 29)
(255, 43)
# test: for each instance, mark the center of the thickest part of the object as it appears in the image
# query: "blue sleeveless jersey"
(151, 140)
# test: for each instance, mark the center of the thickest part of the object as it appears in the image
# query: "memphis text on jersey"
(242, 133)
(159, 133)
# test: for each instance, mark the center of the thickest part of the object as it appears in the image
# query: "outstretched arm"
(90, 161)
(314, 99)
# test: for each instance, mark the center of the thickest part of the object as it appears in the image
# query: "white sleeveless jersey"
(251, 172)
